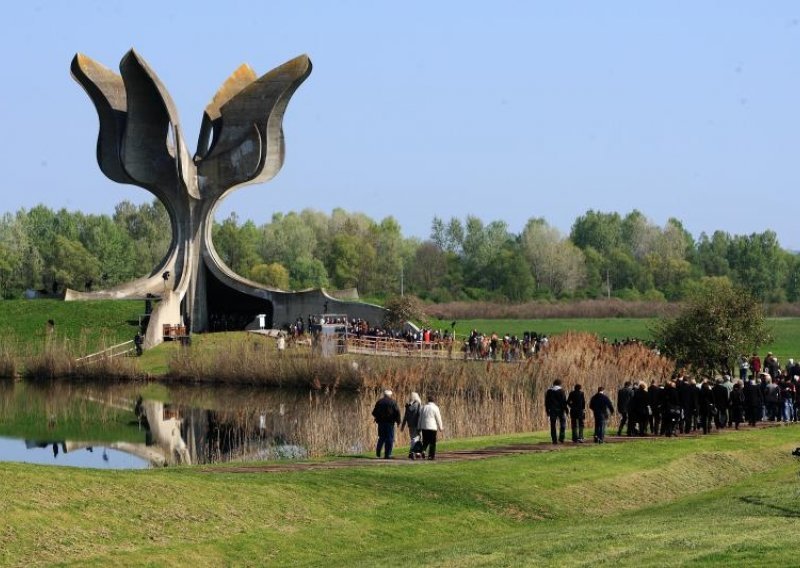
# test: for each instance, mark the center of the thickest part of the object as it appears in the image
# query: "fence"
(124, 348)
(390, 347)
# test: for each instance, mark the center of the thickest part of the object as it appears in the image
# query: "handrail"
(88, 358)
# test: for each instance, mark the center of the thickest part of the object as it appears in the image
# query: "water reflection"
(89, 424)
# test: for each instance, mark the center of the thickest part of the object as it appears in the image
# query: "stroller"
(416, 448)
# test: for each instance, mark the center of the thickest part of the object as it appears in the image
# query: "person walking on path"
(705, 406)
(737, 405)
(753, 402)
(411, 419)
(386, 414)
(602, 409)
(639, 410)
(430, 424)
(577, 413)
(555, 404)
(624, 397)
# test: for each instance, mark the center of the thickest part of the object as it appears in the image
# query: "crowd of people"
(682, 405)
(504, 348)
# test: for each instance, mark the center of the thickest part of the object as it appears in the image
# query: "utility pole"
(608, 286)
(401, 279)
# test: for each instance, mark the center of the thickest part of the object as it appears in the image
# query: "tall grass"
(8, 364)
(476, 397)
(58, 357)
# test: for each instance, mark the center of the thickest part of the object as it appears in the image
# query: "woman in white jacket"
(430, 423)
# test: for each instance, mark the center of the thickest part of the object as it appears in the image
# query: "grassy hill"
(720, 500)
(23, 323)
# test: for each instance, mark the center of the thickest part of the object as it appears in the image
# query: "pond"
(141, 425)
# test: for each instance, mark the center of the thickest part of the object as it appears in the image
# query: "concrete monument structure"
(241, 142)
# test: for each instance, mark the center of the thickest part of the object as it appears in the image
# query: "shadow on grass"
(780, 511)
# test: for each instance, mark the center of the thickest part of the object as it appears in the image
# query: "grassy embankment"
(90, 326)
(723, 500)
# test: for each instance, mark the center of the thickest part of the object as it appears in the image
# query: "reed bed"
(329, 411)
(8, 363)
(58, 357)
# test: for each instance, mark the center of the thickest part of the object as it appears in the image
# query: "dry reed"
(476, 397)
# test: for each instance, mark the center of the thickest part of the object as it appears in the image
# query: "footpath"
(401, 460)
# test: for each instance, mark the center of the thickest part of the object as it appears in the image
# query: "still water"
(153, 425)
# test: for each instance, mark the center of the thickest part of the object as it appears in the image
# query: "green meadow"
(90, 326)
(722, 500)
(786, 331)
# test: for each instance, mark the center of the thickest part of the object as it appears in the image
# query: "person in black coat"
(737, 404)
(705, 406)
(624, 396)
(654, 394)
(555, 404)
(753, 402)
(577, 413)
(670, 409)
(602, 409)
(721, 402)
(640, 409)
(386, 414)
(687, 394)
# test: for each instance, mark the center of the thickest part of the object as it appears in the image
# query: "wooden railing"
(390, 347)
(114, 351)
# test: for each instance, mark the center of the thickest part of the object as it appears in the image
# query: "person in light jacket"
(411, 419)
(430, 423)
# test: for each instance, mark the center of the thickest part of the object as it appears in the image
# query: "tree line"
(605, 254)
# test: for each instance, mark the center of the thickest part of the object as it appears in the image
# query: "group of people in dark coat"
(558, 405)
(678, 406)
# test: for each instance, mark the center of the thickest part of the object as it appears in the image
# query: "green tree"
(307, 272)
(429, 268)
(718, 323)
(601, 231)
(558, 265)
(237, 245)
(73, 266)
(345, 261)
(274, 275)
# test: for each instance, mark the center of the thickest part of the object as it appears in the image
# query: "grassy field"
(90, 325)
(721, 500)
(23, 323)
(786, 331)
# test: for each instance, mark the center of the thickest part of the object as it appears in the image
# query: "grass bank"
(727, 499)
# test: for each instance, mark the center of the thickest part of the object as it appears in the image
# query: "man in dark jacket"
(654, 394)
(753, 402)
(687, 395)
(721, 402)
(602, 409)
(555, 404)
(577, 413)
(624, 396)
(386, 414)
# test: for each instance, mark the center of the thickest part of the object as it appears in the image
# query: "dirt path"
(400, 460)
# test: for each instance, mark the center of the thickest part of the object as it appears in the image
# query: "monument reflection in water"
(125, 426)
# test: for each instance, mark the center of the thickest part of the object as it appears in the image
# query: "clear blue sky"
(505, 110)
